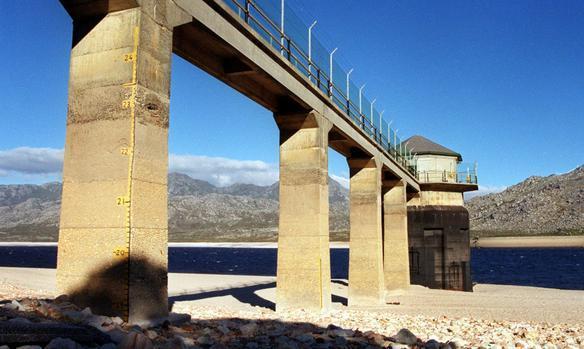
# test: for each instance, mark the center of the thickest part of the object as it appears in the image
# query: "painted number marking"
(122, 201)
(129, 57)
(120, 252)
(126, 103)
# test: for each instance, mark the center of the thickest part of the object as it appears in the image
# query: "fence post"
(247, 11)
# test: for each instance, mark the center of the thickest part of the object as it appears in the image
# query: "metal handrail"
(437, 176)
(317, 76)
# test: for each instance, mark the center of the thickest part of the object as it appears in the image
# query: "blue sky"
(502, 82)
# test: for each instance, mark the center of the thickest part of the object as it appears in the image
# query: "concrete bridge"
(113, 230)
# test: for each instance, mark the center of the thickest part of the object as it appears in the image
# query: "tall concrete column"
(365, 245)
(396, 264)
(112, 253)
(303, 280)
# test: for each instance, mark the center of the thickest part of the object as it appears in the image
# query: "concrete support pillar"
(112, 252)
(365, 246)
(396, 264)
(303, 280)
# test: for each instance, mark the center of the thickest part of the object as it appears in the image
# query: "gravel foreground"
(56, 323)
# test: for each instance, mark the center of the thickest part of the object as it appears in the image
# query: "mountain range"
(200, 211)
(197, 211)
(550, 205)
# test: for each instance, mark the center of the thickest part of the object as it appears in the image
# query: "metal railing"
(309, 61)
(462, 177)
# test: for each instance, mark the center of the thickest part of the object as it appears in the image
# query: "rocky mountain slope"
(198, 211)
(537, 206)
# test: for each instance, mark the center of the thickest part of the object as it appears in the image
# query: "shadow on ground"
(244, 294)
(25, 322)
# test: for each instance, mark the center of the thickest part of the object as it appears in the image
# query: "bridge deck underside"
(246, 72)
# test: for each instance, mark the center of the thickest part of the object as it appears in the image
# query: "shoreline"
(485, 242)
(273, 245)
(530, 242)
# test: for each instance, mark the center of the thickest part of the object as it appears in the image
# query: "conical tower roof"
(422, 145)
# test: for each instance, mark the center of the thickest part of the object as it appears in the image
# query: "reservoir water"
(561, 268)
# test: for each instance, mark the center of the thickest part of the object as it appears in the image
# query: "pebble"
(224, 329)
(432, 344)
(117, 320)
(205, 340)
(174, 343)
(341, 341)
(399, 346)
(405, 336)
(219, 328)
(135, 340)
(116, 334)
(14, 305)
(248, 330)
(98, 321)
(73, 315)
(151, 334)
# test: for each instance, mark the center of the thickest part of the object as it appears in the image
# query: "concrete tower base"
(395, 236)
(303, 280)
(112, 252)
(365, 239)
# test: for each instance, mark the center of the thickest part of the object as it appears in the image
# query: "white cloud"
(29, 161)
(484, 190)
(344, 181)
(224, 171)
(34, 164)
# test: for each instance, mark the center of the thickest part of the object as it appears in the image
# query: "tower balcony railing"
(282, 29)
(467, 176)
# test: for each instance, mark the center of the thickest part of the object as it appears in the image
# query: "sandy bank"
(531, 242)
(240, 292)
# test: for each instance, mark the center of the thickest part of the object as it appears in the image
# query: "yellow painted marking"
(320, 279)
(121, 252)
(127, 103)
(122, 201)
(126, 201)
(130, 57)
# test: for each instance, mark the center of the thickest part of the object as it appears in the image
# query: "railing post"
(247, 11)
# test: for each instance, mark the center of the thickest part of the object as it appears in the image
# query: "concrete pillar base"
(395, 238)
(112, 252)
(303, 280)
(365, 245)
